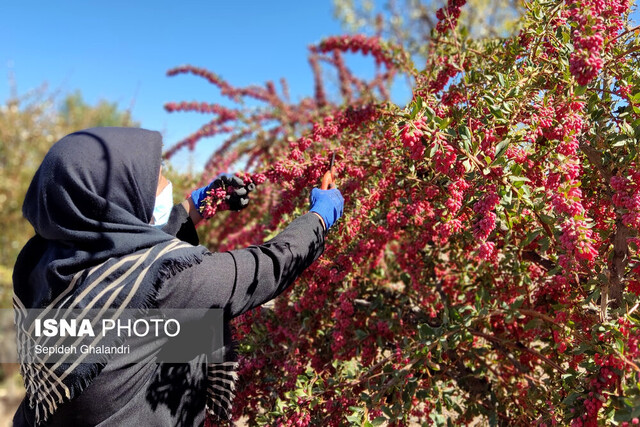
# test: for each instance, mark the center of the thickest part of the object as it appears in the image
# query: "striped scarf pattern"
(129, 282)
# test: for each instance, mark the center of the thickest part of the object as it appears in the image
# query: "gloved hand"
(229, 188)
(329, 204)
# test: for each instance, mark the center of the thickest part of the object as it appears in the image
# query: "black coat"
(158, 394)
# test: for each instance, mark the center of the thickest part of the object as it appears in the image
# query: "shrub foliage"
(486, 267)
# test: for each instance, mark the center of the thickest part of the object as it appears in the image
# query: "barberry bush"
(486, 269)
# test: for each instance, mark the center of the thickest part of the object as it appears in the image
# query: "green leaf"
(626, 127)
(497, 112)
(518, 181)
(360, 334)
(508, 197)
(464, 132)
(580, 349)
(532, 324)
(501, 148)
(489, 100)
(531, 237)
(538, 14)
(442, 123)
(544, 244)
(354, 418)
(428, 111)
(414, 110)
(513, 93)
(426, 331)
(621, 140)
(571, 399)
(437, 418)
(518, 302)
(406, 278)
(547, 219)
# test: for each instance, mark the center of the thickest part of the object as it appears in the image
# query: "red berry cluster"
(259, 93)
(627, 197)
(357, 43)
(411, 135)
(595, 21)
(605, 381)
(448, 15)
(446, 73)
(484, 209)
(215, 199)
(225, 114)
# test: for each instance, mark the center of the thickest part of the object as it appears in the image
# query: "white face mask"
(163, 206)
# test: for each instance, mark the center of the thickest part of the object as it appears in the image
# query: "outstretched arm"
(242, 279)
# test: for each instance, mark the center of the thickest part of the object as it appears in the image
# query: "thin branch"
(519, 347)
(622, 34)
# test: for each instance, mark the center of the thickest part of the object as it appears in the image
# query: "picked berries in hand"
(225, 192)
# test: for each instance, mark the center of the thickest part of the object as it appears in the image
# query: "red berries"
(358, 43)
(448, 15)
(411, 135)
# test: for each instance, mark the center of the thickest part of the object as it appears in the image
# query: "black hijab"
(91, 199)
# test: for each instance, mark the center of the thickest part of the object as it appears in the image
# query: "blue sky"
(120, 51)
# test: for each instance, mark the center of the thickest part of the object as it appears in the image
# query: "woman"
(91, 203)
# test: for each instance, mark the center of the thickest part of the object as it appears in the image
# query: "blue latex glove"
(329, 204)
(199, 194)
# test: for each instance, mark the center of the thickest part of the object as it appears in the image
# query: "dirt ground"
(11, 393)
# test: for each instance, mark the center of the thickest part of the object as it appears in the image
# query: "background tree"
(409, 23)
(29, 125)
